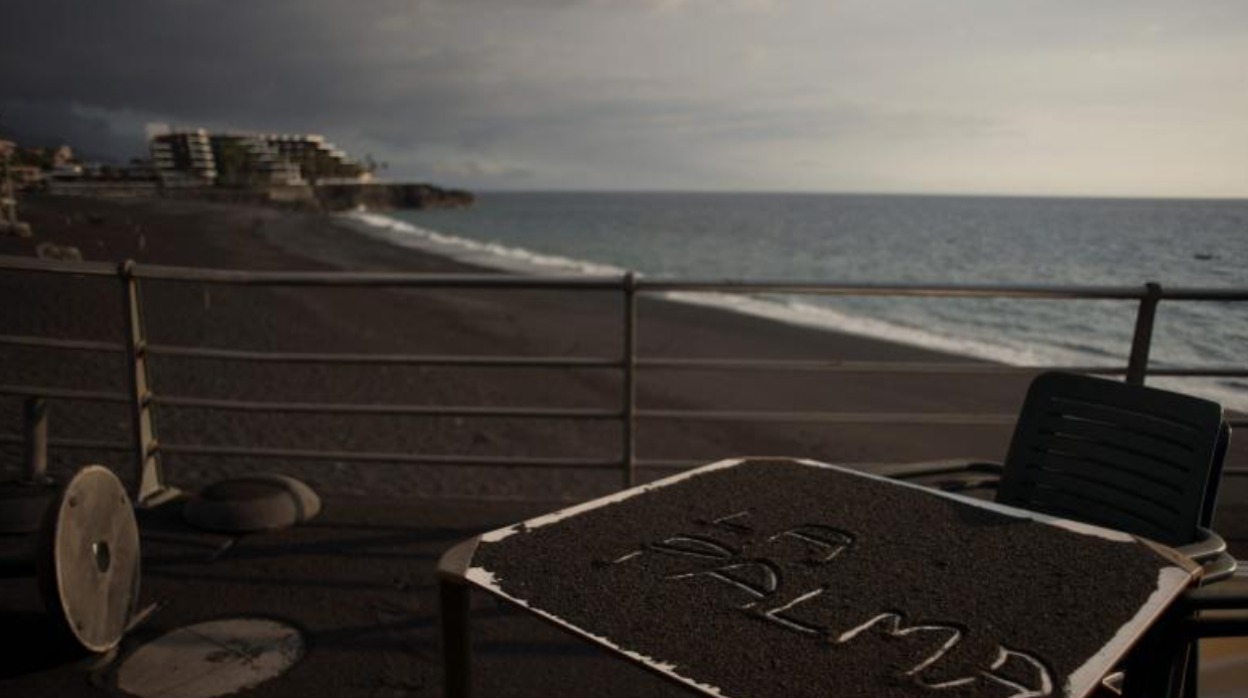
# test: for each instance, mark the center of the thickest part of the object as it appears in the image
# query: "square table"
(754, 578)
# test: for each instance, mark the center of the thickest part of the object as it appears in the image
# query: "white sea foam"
(1000, 349)
(797, 312)
(489, 254)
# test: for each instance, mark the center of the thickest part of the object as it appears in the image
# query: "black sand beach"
(480, 322)
(528, 323)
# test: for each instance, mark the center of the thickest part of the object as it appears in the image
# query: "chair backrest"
(1137, 459)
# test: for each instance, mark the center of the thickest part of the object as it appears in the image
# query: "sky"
(1053, 97)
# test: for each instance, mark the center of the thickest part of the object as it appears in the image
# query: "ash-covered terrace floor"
(359, 582)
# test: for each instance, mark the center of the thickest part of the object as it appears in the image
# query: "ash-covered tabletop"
(756, 578)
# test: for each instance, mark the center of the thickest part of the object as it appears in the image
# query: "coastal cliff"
(380, 196)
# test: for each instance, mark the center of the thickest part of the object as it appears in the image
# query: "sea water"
(895, 239)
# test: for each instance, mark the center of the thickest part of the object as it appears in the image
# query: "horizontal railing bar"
(487, 280)
(62, 393)
(940, 290)
(372, 278)
(413, 458)
(671, 463)
(835, 366)
(1211, 372)
(420, 410)
(681, 463)
(1195, 293)
(88, 444)
(513, 281)
(831, 366)
(34, 264)
(414, 359)
(51, 343)
(952, 418)
(818, 288)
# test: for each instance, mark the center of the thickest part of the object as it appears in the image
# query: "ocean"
(887, 239)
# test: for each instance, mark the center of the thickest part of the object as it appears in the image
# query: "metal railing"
(142, 399)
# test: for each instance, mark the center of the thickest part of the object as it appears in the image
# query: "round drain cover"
(88, 561)
(209, 659)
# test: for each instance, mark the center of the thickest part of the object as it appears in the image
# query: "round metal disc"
(89, 558)
(209, 659)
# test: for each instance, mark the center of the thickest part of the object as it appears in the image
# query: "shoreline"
(453, 322)
(791, 310)
(496, 258)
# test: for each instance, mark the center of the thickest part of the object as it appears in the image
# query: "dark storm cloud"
(208, 59)
(389, 73)
(803, 94)
(55, 123)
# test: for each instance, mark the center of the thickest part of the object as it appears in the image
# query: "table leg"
(1157, 665)
(454, 598)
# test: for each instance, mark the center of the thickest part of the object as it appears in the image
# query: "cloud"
(95, 134)
(478, 167)
(672, 93)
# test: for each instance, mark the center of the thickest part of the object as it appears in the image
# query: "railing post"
(35, 443)
(630, 379)
(150, 488)
(1137, 366)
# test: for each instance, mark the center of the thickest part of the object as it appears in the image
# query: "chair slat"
(1129, 421)
(1101, 474)
(1072, 505)
(1155, 468)
(1107, 496)
(1133, 444)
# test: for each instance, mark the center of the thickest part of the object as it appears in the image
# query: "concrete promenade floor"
(359, 582)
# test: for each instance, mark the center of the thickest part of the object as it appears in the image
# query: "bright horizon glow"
(794, 192)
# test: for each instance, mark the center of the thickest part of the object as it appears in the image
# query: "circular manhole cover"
(209, 659)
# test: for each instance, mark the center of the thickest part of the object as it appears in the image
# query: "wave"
(999, 349)
(488, 254)
(797, 312)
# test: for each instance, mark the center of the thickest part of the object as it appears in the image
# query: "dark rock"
(345, 197)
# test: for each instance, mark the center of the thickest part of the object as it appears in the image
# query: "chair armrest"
(1228, 596)
(1224, 608)
(1220, 568)
(1207, 546)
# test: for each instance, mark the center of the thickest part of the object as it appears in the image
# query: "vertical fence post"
(149, 482)
(35, 442)
(630, 379)
(1137, 366)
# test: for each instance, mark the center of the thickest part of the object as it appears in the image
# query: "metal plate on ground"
(89, 558)
(213, 658)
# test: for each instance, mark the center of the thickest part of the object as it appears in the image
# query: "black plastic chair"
(1128, 457)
